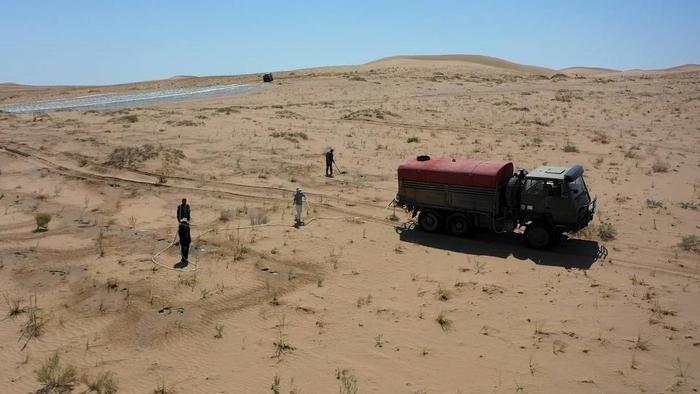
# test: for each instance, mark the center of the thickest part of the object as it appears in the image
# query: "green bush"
(412, 139)
(42, 220)
(689, 242)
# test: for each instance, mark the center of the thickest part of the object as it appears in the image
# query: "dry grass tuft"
(347, 381)
(104, 383)
(34, 326)
(219, 331)
(14, 306)
(640, 344)
(163, 389)
(569, 147)
(443, 321)
(607, 232)
(258, 217)
(443, 294)
(659, 166)
(55, 377)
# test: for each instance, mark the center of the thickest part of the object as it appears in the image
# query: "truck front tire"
(429, 221)
(538, 235)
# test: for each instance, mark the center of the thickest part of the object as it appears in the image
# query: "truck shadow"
(570, 253)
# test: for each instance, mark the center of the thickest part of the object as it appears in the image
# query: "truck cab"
(554, 200)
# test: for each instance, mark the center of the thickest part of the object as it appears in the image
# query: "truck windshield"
(577, 187)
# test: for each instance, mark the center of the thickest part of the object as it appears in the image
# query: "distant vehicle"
(459, 196)
(267, 77)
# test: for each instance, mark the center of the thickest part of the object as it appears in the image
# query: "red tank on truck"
(458, 196)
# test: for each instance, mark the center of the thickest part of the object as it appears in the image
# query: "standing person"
(183, 233)
(183, 211)
(329, 163)
(299, 198)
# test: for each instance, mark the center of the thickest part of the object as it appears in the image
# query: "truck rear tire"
(429, 221)
(538, 235)
(458, 225)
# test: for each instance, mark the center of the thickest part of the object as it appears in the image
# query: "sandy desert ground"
(351, 301)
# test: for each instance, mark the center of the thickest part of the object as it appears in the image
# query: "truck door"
(558, 203)
(532, 202)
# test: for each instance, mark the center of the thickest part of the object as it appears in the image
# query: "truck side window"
(534, 187)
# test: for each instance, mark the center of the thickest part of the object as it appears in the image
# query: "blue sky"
(102, 42)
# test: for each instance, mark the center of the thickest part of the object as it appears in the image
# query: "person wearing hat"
(299, 198)
(329, 163)
(183, 211)
(183, 233)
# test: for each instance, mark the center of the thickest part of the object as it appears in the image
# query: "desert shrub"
(565, 96)
(290, 136)
(125, 119)
(654, 203)
(659, 166)
(130, 156)
(370, 113)
(412, 139)
(600, 137)
(631, 154)
(56, 377)
(42, 220)
(569, 147)
(257, 217)
(133, 156)
(104, 383)
(689, 242)
(225, 216)
(357, 78)
(228, 110)
(688, 205)
(186, 123)
(607, 232)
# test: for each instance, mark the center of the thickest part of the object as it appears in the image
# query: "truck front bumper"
(587, 216)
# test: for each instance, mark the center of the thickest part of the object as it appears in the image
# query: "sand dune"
(588, 70)
(472, 59)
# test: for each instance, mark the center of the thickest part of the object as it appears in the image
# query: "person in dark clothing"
(183, 211)
(329, 163)
(183, 232)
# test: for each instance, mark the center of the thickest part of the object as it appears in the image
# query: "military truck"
(458, 196)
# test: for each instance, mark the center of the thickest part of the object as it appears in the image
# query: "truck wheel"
(538, 235)
(458, 225)
(429, 221)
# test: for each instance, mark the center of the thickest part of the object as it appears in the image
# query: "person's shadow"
(569, 253)
(181, 264)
